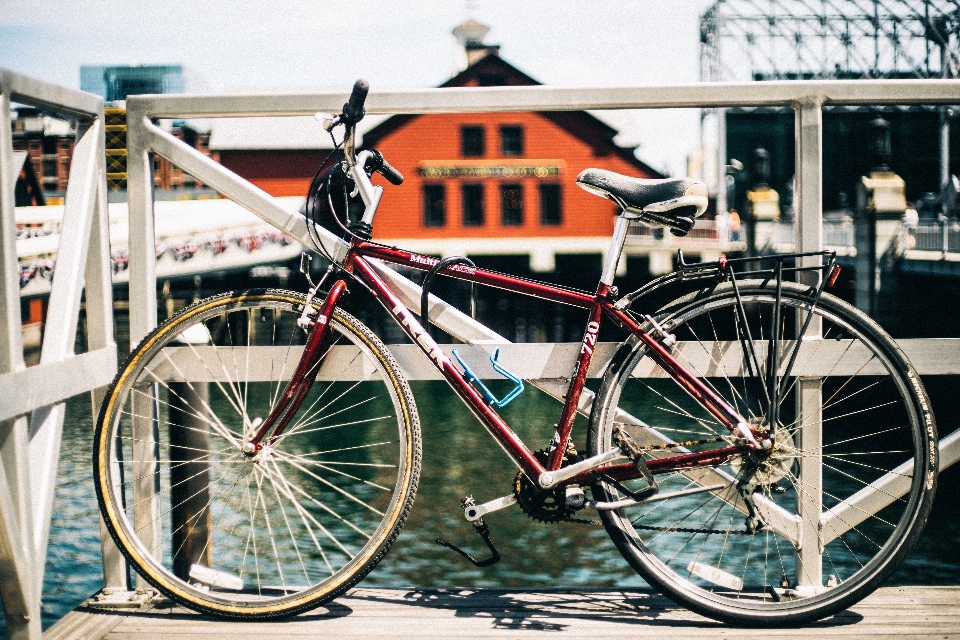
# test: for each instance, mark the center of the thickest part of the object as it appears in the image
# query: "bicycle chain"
(660, 447)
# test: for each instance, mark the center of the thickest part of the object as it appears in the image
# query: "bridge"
(32, 398)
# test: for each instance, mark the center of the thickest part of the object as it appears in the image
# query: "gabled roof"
(492, 70)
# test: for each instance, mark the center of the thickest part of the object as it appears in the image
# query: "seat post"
(615, 249)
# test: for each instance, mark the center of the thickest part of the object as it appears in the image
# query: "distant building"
(279, 155)
(114, 83)
(48, 141)
(476, 184)
(27, 189)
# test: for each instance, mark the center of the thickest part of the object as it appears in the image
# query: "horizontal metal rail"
(539, 98)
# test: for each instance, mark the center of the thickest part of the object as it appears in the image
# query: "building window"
(434, 205)
(492, 79)
(473, 205)
(550, 214)
(471, 141)
(511, 204)
(511, 141)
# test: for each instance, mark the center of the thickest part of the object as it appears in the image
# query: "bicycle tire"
(290, 528)
(850, 385)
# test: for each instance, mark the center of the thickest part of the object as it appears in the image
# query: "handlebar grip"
(376, 162)
(353, 109)
(392, 175)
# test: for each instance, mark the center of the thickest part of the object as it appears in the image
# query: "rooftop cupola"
(470, 35)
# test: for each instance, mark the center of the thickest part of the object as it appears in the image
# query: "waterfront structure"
(475, 184)
(49, 138)
(115, 82)
(279, 155)
(743, 40)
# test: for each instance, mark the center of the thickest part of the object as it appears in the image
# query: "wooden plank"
(891, 612)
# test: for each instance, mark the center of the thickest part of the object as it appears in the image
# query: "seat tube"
(614, 250)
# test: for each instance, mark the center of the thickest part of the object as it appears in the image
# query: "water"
(459, 460)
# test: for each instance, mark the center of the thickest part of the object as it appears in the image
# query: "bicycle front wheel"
(279, 532)
(817, 521)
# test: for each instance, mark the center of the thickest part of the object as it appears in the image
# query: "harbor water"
(459, 460)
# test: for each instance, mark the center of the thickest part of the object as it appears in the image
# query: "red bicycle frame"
(598, 305)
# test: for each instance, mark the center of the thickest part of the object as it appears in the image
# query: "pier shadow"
(550, 609)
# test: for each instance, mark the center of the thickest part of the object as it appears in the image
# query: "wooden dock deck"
(891, 612)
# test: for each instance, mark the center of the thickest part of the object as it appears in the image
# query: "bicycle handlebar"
(353, 110)
(376, 162)
(361, 165)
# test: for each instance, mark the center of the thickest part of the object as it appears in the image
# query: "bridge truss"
(744, 40)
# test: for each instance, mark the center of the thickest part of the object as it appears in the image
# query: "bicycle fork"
(318, 343)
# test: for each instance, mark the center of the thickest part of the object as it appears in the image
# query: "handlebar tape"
(353, 109)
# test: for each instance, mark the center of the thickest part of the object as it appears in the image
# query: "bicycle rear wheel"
(285, 530)
(844, 491)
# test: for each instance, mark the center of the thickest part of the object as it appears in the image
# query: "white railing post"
(32, 399)
(21, 599)
(809, 238)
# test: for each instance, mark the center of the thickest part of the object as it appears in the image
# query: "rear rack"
(724, 269)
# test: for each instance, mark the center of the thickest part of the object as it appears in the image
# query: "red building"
(475, 184)
(497, 175)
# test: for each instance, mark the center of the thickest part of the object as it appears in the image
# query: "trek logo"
(590, 337)
(423, 338)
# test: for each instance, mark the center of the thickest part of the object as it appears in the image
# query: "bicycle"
(758, 450)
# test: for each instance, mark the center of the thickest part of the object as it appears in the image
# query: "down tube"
(499, 429)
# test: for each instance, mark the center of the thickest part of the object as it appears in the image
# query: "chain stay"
(674, 445)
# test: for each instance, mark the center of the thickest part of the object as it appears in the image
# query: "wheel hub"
(770, 464)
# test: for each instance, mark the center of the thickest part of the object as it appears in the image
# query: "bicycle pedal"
(575, 498)
(483, 531)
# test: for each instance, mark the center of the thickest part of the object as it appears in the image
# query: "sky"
(301, 45)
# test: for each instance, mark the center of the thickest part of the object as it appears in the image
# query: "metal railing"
(86, 246)
(941, 236)
(32, 398)
(806, 98)
(838, 235)
(716, 234)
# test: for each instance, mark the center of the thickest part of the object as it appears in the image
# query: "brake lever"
(327, 120)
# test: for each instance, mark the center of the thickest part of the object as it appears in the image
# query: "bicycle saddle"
(672, 203)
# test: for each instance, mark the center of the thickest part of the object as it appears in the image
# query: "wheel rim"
(698, 548)
(298, 522)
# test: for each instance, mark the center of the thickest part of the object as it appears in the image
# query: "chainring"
(543, 505)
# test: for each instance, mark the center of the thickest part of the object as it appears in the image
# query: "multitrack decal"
(430, 262)
(420, 334)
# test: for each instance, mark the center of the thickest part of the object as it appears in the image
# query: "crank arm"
(476, 512)
(620, 504)
(550, 479)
